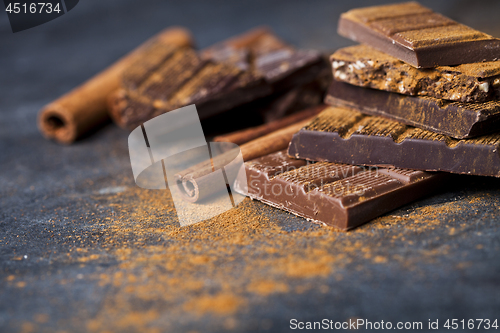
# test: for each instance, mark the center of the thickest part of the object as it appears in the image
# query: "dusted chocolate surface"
(416, 35)
(455, 119)
(338, 195)
(344, 136)
(227, 75)
(364, 66)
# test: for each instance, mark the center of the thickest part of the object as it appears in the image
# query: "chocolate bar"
(345, 136)
(339, 195)
(455, 119)
(416, 35)
(217, 79)
(364, 66)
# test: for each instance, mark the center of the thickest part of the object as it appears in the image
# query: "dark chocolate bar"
(339, 195)
(455, 119)
(417, 35)
(364, 66)
(227, 75)
(346, 136)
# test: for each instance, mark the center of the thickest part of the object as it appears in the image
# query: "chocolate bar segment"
(418, 36)
(338, 195)
(182, 79)
(455, 119)
(225, 76)
(345, 136)
(364, 66)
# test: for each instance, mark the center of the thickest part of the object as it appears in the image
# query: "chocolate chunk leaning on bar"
(338, 195)
(227, 75)
(416, 35)
(455, 119)
(365, 66)
(345, 136)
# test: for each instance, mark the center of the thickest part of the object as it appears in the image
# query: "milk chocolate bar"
(227, 75)
(345, 136)
(455, 119)
(364, 66)
(417, 35)
(339, 195)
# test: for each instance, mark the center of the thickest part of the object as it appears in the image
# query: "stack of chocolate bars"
(419, 95)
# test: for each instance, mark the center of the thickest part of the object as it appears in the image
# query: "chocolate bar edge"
(382, 151)
(356, 66)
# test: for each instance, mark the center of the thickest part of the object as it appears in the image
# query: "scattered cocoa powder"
(218, 267)
(221, 304)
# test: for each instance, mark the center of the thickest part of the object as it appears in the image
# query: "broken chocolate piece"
(455, 119)
(364, 66)
(220, 78)
(338, 195)
(417, 35)
(345, 136)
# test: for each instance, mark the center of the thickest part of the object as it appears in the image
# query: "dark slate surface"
(434, 259)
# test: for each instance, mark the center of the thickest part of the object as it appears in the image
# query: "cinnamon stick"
(248, 134)
(85, 107)
(196, 183)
